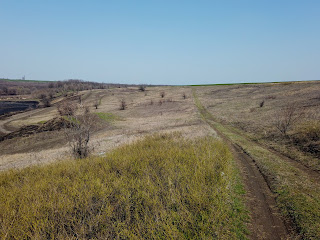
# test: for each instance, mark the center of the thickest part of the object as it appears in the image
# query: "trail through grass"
(298, 196)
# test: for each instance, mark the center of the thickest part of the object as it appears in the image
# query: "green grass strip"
(108, 117)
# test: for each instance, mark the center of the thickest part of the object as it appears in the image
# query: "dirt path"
(266, 221)
(4, 123)
(312, 174)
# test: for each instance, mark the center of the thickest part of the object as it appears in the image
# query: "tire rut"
(266, 220)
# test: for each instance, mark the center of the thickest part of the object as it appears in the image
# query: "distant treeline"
(26, 87)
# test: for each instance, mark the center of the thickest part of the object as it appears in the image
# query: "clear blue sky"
(159, 41)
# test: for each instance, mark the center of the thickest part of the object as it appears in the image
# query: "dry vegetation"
(140, 118)
(288, 121)
(164, 187)
(279, 124)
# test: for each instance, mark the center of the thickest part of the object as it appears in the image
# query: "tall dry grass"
(163, 187)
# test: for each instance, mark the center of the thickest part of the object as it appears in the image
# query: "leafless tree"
(46, 102)
(97, 102)
(286, 117)
(123, 104)
(51, 94)
(67, 108)
(184, 96)
(78, 133)
(142, 88)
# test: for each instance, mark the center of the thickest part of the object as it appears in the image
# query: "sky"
(160, 41)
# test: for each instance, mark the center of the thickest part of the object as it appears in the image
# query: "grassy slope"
(298, 196)
(163, 187)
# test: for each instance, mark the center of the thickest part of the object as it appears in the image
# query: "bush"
(184, 96)
(142, 88)
(123, 104)
(46, 102)
(79, 133)
(307, 137)
(286, 117)
(261, 104)
(67, 108)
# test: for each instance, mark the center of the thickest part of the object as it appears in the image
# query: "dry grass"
(298, 194)
(164, 187)
(238, 106)
(306, 136)
(139, 119)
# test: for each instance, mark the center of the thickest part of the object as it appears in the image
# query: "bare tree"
(162, 94)
(286, 117)
(79, 131)
(97, 102)
(51, 94)
(46, 102)
(67, 108)
(123, 104)
(184, 96)
(142, 88)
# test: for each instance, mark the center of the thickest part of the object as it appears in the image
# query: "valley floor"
(282, 187)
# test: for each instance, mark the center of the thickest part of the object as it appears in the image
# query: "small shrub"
(46, 102)
(162, 94)
(307, 137)
(79, 131)
(286, 117)
(142, 88)
(97, 103)
(261, 104)
(51, 94)
(123, 104)
(67, 108)
(184, 96)
(42, 96)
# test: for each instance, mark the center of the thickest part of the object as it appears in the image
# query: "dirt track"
(4, 123)
(266, 221)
